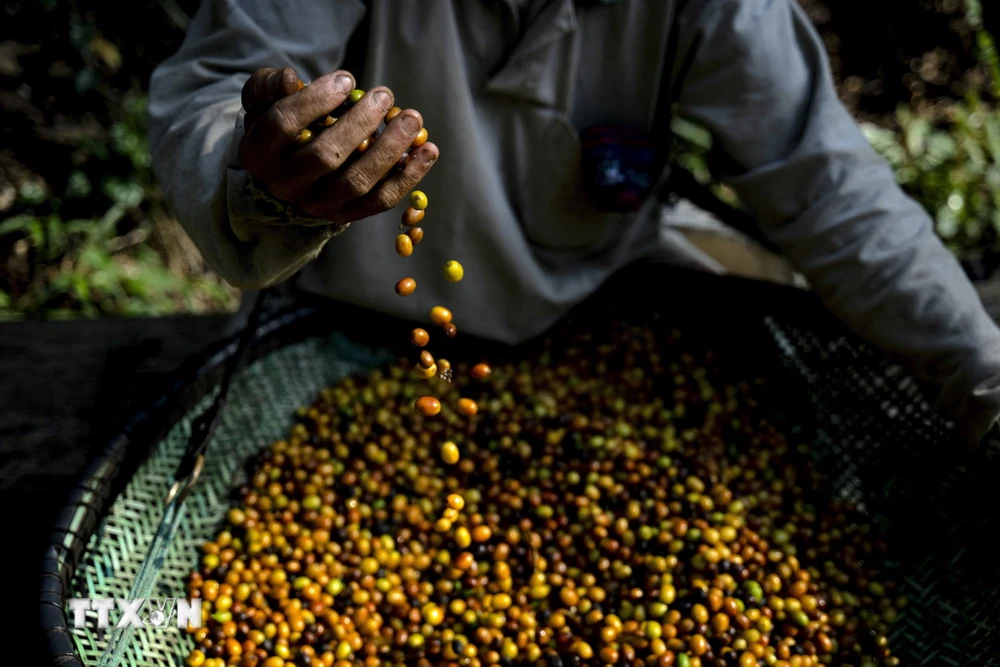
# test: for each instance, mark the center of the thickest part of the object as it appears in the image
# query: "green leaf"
(879, 137)
(991, 127)
(34, 229)
(80, 35)
(941, 147)
(95, 148)
(988, 55)
(81, 289)
(78, 185)
(691, 132)
(85, 79)
(915, 132)
(136, 287)
(126, 193)
(80, 226)
(31, 193)
(947, 222)
(95, 258)
(18, 223)
(907, 175)
(135, 106)
(123, 139)
(62, 283)
(975, 153)
(108, 223)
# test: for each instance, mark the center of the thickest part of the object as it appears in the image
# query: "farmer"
(505, 87)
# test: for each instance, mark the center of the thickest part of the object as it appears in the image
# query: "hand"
(323, 176)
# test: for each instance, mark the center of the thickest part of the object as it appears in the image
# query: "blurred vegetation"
(953, 166)
(84, 230)
(59, 266)
(943, 141)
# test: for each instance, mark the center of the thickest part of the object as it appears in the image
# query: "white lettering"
(103, 606)
(189, 613)
(80, 607)
(130, 613)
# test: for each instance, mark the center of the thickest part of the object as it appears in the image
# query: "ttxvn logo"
(153, 612)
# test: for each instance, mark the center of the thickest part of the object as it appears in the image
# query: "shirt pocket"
(556, 211)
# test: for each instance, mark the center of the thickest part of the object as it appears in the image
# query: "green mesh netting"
(261, 406)
(874, 436)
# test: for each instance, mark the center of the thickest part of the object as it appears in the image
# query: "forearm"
(832, 205)
(196, 126)
(245, 238)
(871, 254)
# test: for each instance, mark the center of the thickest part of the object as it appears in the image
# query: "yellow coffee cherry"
(453, 271)
(418, 200)
(449, 453)
(404, 245)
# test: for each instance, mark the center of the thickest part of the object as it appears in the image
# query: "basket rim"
(104, 478)
(107, 473)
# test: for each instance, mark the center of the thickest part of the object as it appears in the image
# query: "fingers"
(383, 196)
(333, 146)
(265, 87)
(281, 124)
(324, 171)
(372, 166)
(358, 177)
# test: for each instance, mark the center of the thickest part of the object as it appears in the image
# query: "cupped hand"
(318, 167)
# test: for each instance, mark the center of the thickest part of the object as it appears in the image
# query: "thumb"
(265, 87)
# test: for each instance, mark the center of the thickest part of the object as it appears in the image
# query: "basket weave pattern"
(874, 436)
(260, 410)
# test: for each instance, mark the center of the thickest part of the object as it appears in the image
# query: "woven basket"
(872, 433)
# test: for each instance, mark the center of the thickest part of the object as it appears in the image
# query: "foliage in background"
(84, 230)
(952, 169)
(692, 148)
(950, 165)
(85, 269)
(919, 53)
(58, 266)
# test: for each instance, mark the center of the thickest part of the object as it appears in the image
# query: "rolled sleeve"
(196, 123)
(757, 77)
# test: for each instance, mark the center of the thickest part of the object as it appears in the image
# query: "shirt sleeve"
(196, 124)
(755, 73)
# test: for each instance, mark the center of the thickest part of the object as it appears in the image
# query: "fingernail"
(410, 124)
(427, 157)
(383, 99)
(344, 83)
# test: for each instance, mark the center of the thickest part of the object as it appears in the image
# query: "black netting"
(884, 450)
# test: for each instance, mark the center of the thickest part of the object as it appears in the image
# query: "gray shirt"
(504, 88)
